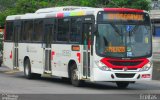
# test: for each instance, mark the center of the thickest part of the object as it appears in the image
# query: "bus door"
(48, 29)
(16, 34)
(87, 32)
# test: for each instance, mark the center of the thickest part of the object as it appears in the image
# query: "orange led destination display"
(112, 16)
(116, 49)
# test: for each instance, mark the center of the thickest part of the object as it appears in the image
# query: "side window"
(63, 29)
(55, 30)
(38, 30)
(75, 35)
(27, 30)
(17, 31)
(9, 31)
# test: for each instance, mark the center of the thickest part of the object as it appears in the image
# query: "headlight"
(146, 67)
(102, 66)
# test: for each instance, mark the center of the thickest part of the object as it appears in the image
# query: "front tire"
(122, 85)
(74, 76)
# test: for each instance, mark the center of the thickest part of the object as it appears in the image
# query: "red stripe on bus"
(60, 15)
(10, 56)
(79, 57)
(110, 62)
(52, 55)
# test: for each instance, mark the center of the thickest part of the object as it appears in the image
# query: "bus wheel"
(27, 69)
(122, 85)
(74, 76)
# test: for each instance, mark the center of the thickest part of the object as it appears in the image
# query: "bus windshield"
(119, 37)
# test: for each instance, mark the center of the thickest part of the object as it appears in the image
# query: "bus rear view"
(123, 46)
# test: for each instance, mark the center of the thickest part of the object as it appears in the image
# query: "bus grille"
(121, 75)
(127, 63)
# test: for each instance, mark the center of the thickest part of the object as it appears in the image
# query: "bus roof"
(56, 12)
(61, 9)
(67, 11)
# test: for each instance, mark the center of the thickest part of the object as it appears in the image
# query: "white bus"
(81, 43)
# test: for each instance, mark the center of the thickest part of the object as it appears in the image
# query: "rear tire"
(74, 76)
(122, 85)
(27, 71)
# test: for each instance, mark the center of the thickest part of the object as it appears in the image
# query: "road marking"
(11, 71)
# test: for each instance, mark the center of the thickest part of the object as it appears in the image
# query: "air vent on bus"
(127, 69)
(122, 75)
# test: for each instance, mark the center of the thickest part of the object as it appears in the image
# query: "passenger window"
(38, 30)
(27, 30)
(63, 29)
(75, 35)
(9, 31)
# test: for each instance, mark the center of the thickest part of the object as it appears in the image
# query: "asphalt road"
(15, 83)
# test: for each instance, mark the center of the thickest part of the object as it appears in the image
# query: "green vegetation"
(12, 7)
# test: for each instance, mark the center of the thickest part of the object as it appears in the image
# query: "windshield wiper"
(116, 29)
(134, 29)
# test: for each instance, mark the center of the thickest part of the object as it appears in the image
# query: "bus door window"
(17, 30)
(48, 30)
(48, 34)
(87, 27)
(87, 36)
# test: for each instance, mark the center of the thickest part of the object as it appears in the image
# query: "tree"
(138, 4)
(4, 4)
(21, 7)
(29, 6)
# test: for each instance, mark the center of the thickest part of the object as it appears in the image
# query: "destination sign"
(119, 16)
(116, 49)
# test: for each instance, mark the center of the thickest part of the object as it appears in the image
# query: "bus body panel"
(34, 52)
(61, 56)
(8, 54)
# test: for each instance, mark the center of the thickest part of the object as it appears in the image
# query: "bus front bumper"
(99, 75)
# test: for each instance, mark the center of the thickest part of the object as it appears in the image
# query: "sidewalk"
(4, 68)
